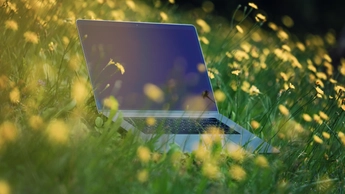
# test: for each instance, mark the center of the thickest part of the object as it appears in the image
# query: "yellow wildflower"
(239, 29)
(15, 95)
(291, 86)
(31, 37)
(236, 72)
(327, 58)
(341, 135)
(143, 154)
(204, 26)
(11, 25)
(36, 122)
(153, 92)
(286, 48)
(142, 175)
(120, 67)
(282, 35)
(150, 121)
(253, 90)
(317, 139)
(323, 115)
(79, 91)
(8, 132)
(111, 103)
(283, 110)
(307, 117)
(204, 40)
(326, 135)
(255, 125)
(253, 5)
(164, 16)
(273, 26)
(210, 170)
(219, 96)
(260, 17)
(237, 172)
(58, 131)
(317, 118)
(319, 91)
(130, 4)
(287, 21)
(261, 161)
(172, 1)
(300, 46)
(4, 187)
(236, 152)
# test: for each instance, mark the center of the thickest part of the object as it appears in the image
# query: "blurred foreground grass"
(284, 90)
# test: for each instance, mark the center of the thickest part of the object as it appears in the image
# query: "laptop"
(157, 73)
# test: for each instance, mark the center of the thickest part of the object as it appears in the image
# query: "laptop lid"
(163, 66)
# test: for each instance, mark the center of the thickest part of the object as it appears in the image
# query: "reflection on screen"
(163, 67)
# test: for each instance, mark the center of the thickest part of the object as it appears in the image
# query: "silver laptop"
(163, 90)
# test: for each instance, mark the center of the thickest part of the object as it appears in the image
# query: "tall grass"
(282, 89)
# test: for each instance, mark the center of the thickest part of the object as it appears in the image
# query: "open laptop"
(164, 90)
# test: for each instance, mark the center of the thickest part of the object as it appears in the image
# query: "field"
(284, 90)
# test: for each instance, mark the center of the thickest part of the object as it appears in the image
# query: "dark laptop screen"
(163, 65)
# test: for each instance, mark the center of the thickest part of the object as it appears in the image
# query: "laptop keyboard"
(179, 125)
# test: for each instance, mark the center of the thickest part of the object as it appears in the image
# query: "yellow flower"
(239, 29)
(31, 37)
(260, 17)
(326, 135)
(219, 96)
(111, 103)
(142, 175)
(164, 16)
(131, 4)
(319, 91)
(15, 95)
(4, 187)
(36, 122)
(291, 86)
(8, 132)
(11, 25)
(273, 26)
(341, 135)
(143, 154)
(283, 110)
(307, 117)
(287, 21)
(150, 121)
(204, 40)
(261, 161)
(317, 139)
(286, 48)
(79, 91)
(237, 172)
(253, 5)
(236, 152)
(172, 1)
(210, 170)
(58, 131)
(204, 26)
(153, 92)
(255, 125)
(323, 115)
(282, 35)
(253, 90)
(236, 72)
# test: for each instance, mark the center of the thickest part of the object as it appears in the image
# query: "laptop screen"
(146, 66)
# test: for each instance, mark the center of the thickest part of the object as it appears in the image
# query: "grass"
(282, 89)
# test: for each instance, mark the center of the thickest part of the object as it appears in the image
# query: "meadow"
(284, 90)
